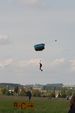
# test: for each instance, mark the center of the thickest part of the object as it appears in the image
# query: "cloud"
(22, 64)
(68, 65)
(18, 63)
(57, 65)
(34, 61)
(30, 2)
(72, 64)
(27, 2)
(58, 62)
(6, 62)
(63, 65)
(9, 1)
(25, 63)
(4, 40)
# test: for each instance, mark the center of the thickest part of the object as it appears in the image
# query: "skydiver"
(41, 66)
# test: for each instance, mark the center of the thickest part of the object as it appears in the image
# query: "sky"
(24, 23)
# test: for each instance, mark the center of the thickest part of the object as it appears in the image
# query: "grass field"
(41, 105)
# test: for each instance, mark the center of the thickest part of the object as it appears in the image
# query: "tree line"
(62, 93)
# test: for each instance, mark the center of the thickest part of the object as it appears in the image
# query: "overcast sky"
(24, 23)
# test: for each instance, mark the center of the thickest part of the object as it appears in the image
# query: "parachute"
(39, 47)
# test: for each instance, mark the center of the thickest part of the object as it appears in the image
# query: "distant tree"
(63, 93)
(69, 92)
(4, 91)
(52, 94)
(16, 90)
(36, 93)
(59, 95)
(23, 92)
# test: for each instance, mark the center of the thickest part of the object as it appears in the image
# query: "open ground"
(41, 105)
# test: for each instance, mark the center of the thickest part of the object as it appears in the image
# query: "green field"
(41, 105)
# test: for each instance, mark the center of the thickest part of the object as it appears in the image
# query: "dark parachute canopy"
(39, 47)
